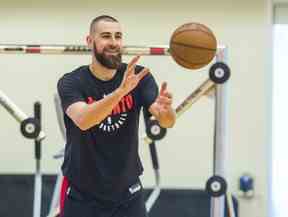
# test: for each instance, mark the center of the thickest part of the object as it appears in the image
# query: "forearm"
(92, 114)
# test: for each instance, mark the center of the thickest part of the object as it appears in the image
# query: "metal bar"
(37, 115)
(15, 111)
(78, 49)
(220, 139)
(74, 49)
(157, 189)
(155, 193)
(60, 115)
(55, 203)
(230, 205)
(11, 107)
(37, 194)
(190, 100)
(38, 175)
(153, 196)
(193, 97)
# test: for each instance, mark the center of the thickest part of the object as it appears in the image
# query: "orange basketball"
(193, 45)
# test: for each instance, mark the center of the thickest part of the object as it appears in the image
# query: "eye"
(106, 36)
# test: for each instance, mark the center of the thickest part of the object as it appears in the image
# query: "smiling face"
(105, 40)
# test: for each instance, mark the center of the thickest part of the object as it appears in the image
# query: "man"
(101, 103)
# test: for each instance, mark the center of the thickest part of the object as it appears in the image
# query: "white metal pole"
(220, 137)
(37, 194)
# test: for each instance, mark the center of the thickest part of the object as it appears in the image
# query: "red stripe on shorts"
(63, 194)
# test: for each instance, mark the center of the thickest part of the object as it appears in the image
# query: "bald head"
(96, 20)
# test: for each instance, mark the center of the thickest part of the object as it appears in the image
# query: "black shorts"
(77, 205)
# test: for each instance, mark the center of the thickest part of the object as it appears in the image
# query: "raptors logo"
(118, 115)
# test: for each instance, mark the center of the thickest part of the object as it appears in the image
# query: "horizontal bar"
(77, 49)
(161, 50)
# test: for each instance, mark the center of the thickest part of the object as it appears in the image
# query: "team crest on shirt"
(118, 116)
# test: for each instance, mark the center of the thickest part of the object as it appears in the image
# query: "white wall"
(186, 153)
(280, 1)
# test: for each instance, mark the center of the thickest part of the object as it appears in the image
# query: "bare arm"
(162, 109)
(86, 116)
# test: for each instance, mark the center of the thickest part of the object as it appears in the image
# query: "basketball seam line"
(193, 46)
(200, 30)
(187, 30)
(186, 61)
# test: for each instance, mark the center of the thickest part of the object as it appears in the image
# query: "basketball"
(193, 45)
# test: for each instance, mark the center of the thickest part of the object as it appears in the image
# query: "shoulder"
(74, 76)
(76, 73)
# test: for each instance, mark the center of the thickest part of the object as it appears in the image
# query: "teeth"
(113, 51)
(110, 53)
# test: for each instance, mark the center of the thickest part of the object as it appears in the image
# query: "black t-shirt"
(103, 160)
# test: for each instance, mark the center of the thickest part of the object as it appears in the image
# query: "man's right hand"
(130, 78)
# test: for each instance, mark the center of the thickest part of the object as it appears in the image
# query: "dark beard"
(110, 62)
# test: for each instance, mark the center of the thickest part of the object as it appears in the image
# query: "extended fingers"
(143, 73)
(163, 88)
(168, 94)
(164, 100)
(164, 91)
(132, 63)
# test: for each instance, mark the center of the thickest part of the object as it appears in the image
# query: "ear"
(89, 41)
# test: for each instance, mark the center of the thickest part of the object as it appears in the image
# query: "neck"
(101, 72)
